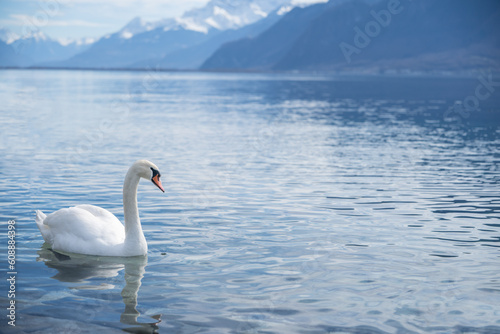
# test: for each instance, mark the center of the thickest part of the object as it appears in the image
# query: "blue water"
(293, 204)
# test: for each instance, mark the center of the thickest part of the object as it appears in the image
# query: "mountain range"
(280, 35)
(178, 43)
(424, 35)
(36, 48)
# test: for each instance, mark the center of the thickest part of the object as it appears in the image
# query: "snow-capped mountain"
(192, 57)
(220, 15)
(227, 14)
(189, 39)
(8, 36)
(140, 42)
(137, 26)
(428, 35)
(38, 48)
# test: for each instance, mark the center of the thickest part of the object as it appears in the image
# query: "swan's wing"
(109, 225)
(101, 214)
(84, 226)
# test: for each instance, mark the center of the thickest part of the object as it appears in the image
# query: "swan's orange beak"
(157, 182)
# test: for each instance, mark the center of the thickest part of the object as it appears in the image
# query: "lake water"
(293, 204)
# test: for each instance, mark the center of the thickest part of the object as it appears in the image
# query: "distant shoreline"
(366, 73)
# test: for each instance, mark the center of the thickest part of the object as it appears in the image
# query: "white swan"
(91, 230)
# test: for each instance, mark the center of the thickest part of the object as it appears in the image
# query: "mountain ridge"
(141, 44)
(339, 35)
(423, 36)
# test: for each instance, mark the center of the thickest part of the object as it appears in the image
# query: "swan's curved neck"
(133, 227)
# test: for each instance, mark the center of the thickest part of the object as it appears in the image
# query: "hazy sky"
(84, 18)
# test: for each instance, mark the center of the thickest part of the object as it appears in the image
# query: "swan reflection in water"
(80, 268)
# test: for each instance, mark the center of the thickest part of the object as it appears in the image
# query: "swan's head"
(148, 170)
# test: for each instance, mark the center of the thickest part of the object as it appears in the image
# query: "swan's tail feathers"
(40, 217)
(44, 229)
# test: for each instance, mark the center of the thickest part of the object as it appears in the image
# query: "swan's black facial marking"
(156, 179)
(155, 172)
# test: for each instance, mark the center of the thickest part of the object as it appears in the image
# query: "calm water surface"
(294, 204)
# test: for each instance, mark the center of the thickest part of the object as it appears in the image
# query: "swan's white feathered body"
(82, 228)
(88, 229)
